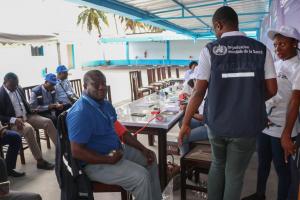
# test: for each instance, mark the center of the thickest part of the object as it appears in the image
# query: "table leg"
(162, 158)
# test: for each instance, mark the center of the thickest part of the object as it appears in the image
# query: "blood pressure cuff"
(120, 128)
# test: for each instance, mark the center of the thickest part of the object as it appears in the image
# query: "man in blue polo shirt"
(94, 140)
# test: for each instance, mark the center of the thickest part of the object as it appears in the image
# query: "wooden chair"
(108, 95)
(169, 72)
(199, 157)
(163, 73)
(136, 91)
(97, 187)
(152, 79)
(77, 86)
(177, 72)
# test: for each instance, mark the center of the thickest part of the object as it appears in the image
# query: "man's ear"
(84, 85)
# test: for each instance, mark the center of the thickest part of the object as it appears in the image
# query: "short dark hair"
(191, 83)
(10, 76)
(192, 63)
(92, 74)
(226, 15)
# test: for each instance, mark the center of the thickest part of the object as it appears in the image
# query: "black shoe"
(45, 165)
(15, 173)
(255, 196)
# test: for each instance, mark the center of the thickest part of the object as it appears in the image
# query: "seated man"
(198, 129)
(92, 125)
(5, 194)
(64, 91)
(43, 99)
(15, 112)
(13, 140)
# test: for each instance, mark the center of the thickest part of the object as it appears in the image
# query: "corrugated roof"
(189, 17)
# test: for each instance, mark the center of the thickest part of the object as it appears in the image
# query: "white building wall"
(186, 50)
(155, 50)
(18, 59)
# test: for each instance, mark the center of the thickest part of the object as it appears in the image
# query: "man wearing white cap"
(282, 113)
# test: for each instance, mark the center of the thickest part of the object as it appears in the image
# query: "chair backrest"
(153, 75)
(169, 72)
(158, 70)
(134, 83)
(163, 73)
(177, 72)
(27, 91)
(77, 86)
(108, 95)
(149, 75)
(140, 81)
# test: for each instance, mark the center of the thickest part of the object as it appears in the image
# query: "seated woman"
(13, 140)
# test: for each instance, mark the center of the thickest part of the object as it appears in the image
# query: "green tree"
(92, 18)
(136, 26)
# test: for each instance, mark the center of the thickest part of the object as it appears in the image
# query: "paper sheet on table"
(172, 108)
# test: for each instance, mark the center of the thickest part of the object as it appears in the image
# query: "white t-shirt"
(202, 71)
(187, 89)
(288, 79)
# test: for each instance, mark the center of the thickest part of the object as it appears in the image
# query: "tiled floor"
(44, 182)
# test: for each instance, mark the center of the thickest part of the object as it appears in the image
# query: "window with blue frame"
(37, 51)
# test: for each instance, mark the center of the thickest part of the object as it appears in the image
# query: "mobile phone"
(138, 114)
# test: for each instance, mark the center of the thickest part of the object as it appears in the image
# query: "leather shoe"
(15, 173)
(45, 165)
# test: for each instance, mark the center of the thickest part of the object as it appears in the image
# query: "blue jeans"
(13, 140)
(132, 173)
(268, 149)
(198, 133)
(230, 158)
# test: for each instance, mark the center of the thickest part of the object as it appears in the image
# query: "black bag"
(73, 182)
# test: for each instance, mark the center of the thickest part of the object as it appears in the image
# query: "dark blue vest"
(235, 105)
(39, 95)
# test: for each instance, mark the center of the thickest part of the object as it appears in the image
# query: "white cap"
(286, 31)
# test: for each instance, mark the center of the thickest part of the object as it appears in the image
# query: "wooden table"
(144, 106)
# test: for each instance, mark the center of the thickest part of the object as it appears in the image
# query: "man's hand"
(115, 157)
(288, 146)
(150, 155)
(184, 131)
(19, 123)
(51, 106)
(59, 106)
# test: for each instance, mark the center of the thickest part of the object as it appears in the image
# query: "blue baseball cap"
(51, 78)
(61, 68)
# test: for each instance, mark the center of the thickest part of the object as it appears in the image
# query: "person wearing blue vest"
(94, 134)
(43, 99)
(240, 76)
(269, 148)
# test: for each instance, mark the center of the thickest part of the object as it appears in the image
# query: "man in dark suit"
(15, 112)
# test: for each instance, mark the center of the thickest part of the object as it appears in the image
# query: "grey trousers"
(21, 196)
(131, 172)
(35, 121)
